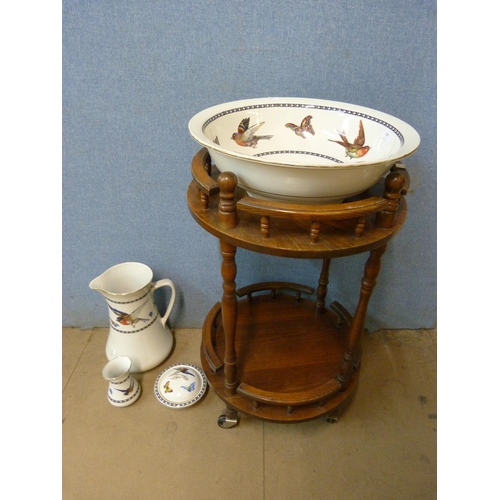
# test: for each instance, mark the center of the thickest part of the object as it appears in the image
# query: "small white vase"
(123, 389)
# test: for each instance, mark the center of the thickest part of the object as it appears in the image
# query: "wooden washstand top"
(293, 230)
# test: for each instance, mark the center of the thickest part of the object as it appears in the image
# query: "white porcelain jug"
(136, 329)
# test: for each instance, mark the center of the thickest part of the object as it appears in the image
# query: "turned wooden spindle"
(204, 200)
(353, 342)
(314, 231)
(360, 226)
(264, 226)
(394, 183)
(227, 216)
(201, 169)
(207, 164)
(229, 306)
(323, 285)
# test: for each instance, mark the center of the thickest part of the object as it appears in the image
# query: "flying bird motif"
(126, 392)
(357, 149)
(129, 319)
(181, 373)
(246, 135)
(305, 126)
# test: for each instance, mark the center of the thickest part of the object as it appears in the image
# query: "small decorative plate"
(180, 385)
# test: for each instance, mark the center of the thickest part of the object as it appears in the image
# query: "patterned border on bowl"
(307, 106)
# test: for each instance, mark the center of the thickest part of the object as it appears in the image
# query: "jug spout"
(97, 284)
(123, 279)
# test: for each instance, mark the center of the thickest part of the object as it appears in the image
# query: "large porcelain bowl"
(302, 150)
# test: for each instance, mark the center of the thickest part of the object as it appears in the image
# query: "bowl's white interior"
(386, 136)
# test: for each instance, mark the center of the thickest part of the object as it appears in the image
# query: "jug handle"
(159, 284)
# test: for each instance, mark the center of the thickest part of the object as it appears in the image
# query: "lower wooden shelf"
(289, 354)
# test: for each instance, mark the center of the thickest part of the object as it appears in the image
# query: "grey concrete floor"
(383, 447)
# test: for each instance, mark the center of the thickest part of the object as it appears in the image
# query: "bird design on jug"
(129, 319)
(305, 127)
(356, 149)
(126, 392)
(246, 135)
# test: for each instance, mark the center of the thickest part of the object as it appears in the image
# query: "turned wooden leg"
(229, 306)
(353, 343)
(323, 285)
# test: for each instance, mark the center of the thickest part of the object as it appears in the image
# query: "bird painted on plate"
(181, 372)
(305, 126)
(130, 319)
(184, 369)
(246, 135)
(357, 149)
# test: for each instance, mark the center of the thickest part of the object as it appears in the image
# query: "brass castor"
(227, 423)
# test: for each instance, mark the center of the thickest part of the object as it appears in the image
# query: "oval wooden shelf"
(316, 395)
(288, 353)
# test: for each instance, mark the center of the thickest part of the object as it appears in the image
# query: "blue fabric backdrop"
(135, 72)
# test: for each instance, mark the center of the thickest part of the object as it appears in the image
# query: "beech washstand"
(274, 350)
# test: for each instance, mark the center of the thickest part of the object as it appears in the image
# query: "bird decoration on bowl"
(356, 149)
(304, 128)
(246, 135)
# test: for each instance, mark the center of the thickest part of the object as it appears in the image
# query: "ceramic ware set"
(139, 339)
